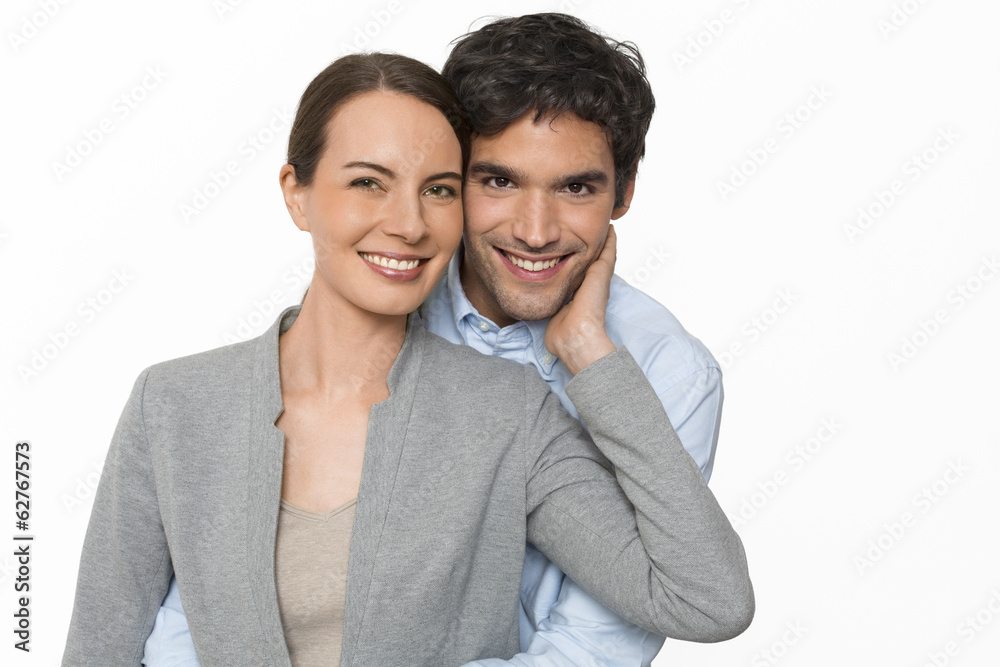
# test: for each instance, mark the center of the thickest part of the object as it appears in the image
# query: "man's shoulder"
(470, 378)
(456, 359)
(661, 345)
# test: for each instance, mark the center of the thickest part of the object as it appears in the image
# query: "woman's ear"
(294, 195)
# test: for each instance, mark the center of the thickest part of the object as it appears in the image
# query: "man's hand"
(576, 333)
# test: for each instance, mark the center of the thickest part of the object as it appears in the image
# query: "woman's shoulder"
(223, 369)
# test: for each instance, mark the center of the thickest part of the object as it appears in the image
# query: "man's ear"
(619, 211)
(294, 195)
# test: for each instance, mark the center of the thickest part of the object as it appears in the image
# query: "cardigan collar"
(387, 428)
(268, 379)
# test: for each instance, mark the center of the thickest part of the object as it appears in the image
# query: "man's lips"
(394, 266)
(532, 268)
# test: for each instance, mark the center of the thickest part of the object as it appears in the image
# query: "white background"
(828, 548)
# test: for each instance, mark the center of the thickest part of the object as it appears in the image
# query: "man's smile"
(532, 268)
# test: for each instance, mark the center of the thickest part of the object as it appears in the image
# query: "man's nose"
(536, 223)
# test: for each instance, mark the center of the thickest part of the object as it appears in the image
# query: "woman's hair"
(551, 64)
(361, 73)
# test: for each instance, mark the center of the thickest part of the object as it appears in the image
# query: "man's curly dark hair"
(551, 64)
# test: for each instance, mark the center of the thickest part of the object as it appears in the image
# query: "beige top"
(310, 563)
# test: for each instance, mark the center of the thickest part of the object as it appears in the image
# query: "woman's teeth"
(400, 264)
(531, 266)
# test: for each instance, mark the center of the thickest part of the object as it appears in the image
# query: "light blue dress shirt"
(561, 625)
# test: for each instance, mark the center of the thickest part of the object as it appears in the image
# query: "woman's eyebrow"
(389, 173)
(443, 175)
(385, 171)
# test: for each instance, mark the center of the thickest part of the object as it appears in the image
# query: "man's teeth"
(402, 264)
(532, 266)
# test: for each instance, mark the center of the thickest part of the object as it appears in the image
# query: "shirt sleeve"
(170, 643)
(593, 636)
(655, 547)
(694, 406)
(125, 566)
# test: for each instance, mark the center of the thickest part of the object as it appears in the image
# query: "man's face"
(538, 201)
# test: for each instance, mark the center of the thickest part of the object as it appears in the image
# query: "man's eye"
(577, 188)
(498, 182)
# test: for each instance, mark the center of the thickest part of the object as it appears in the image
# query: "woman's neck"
(339, 351)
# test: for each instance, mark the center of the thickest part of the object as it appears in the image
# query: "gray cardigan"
(468, 458)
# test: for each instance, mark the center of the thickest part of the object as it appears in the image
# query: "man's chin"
(524, 307)
(527, 302)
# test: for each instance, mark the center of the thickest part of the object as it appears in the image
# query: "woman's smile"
(394, 266)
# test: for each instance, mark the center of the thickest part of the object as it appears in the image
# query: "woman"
(449, 460)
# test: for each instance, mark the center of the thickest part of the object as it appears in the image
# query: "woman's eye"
(366, 183)
(440, 191)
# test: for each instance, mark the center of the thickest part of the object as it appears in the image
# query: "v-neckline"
(314, 515)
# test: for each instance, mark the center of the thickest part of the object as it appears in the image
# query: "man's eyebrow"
(385, 171)
(496, 170)
(593, 176)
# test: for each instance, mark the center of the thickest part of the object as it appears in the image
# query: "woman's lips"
(400, 268)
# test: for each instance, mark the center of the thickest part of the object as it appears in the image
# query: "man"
(560, 115)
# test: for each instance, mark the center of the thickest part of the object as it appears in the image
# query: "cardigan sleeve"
(631, 520)
(125, 567)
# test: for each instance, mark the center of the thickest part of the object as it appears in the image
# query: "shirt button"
(547, 359)
(483, 326)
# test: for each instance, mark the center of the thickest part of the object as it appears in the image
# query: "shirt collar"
(465, 314)
(460, 305)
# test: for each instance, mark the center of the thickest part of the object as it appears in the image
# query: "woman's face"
(384, 208)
